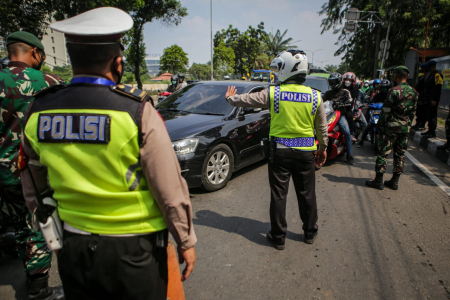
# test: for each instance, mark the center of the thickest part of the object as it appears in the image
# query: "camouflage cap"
(401, 68)
(24, 37)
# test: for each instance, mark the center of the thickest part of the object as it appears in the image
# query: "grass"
(441, 121)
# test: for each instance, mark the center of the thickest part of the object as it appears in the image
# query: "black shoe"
(360, 145)
(350, 160)
(272, 241)
(38, 289)
(310, 237)
(377, 183)
(444, 147)
(393, 183)
(415, 127)
(429, 135)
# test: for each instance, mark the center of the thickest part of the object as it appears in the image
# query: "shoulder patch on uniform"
(52, 88)
(132, 92)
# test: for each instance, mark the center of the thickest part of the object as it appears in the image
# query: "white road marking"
(433, 177)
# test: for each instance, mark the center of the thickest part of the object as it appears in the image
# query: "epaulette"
(52, 88)
(132, 92)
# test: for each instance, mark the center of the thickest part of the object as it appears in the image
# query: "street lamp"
(313, 55)
(212, 72)
(321, 62)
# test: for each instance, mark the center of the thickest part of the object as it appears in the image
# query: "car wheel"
(217, 168)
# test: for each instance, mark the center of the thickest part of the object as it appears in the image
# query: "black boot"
(38, 289)
(393, 183)
(377, 183)
(445, 146)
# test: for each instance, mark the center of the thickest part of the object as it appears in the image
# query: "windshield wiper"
(209, 114)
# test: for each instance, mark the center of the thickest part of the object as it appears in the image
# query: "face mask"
(366, 84)
(39, 66)
(347, 83)
(174, 82)
(119, 75)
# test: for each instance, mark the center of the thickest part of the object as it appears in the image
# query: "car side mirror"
(248, 110)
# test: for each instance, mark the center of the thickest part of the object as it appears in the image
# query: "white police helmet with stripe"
(290, 63)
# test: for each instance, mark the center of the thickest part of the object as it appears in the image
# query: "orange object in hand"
(175, 290)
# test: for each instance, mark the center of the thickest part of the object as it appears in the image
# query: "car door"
(252, 126)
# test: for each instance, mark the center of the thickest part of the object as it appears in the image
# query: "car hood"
(181, 125)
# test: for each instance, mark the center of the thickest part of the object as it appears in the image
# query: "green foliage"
(46, 69)
(331, 68)
(63, 72)
(128, 77)
(246, 45)
(174, 59)
(408, 29)
(200, 71)
(275, 44)
(223, 60)
(31, 16)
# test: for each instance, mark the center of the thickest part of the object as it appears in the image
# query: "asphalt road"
(371, 245)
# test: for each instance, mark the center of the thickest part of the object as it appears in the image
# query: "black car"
(211, 138)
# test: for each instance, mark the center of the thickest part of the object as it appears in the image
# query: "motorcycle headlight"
(185, 146)
(331, 120)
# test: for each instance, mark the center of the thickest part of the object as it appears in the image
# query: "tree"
(170, 12)
(331, 68)
(223, 60)
(64, 72)
(200, 71)
(408, 29)
(174, 59)
(276, 43)
(246, 45)
(31, 16)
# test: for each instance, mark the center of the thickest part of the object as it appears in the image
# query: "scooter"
(336, 139)
(163, 96)
(375, 112)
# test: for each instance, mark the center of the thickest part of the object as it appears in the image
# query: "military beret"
(24, 37)
(431, 63)
(401, 68)
(422, 66)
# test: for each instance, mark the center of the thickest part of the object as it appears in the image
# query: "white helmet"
(290, 63)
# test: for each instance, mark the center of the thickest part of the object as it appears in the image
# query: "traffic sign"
(380, 54)
(350, 26)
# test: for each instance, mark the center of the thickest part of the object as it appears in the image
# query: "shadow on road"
(10, 277)
(343, 179)
(253, 230)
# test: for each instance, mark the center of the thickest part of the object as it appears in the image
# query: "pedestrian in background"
(433, 88)
(394, 125)
(422, 107)
(296, 111)
(18, 82)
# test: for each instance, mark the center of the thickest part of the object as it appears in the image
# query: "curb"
(430, 145)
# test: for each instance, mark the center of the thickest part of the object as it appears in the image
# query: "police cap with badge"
(101, 26)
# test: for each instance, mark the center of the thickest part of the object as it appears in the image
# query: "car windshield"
(200, 99)
(317, 84)
(260, 75)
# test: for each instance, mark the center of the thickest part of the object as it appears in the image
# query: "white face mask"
(366, 84)
(347, 83)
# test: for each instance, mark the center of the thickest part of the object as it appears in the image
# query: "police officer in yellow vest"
(111, 167)
(296, 111)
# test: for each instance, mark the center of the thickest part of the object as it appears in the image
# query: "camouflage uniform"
(395, 122)
(18, 83)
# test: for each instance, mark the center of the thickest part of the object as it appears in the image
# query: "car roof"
(313, 77)
(236, 83)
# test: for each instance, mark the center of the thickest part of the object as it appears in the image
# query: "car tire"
(217, 168)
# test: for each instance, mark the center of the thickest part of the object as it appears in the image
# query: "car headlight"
(185, 146)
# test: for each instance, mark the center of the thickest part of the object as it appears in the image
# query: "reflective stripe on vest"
(293, 111)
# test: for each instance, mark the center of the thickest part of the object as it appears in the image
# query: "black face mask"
(39, 66)
(120, 75)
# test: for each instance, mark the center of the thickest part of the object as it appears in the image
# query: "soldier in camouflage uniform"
(18, 82)
(394, 124)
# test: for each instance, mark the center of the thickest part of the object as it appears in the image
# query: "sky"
(300, 17)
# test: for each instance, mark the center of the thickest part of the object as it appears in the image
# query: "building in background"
(153, 64)
(55, 48)
(163, 77)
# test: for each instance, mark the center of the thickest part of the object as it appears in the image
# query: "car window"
(321, 85)
(200, 99)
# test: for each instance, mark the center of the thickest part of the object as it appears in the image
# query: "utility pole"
(377, 49)
(386, 42)
(212, 72)
(321, 62)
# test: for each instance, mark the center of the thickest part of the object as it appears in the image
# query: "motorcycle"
(374, 113)
(336, 139)
(163, 95)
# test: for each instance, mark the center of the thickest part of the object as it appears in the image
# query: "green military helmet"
(401, 68)
(24, 37)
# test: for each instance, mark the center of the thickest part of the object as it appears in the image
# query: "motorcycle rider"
(365, 87)
(340, 95)
(181, 83)
(378, 98)
(349, 80)
(375, 89)
(174, 81)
